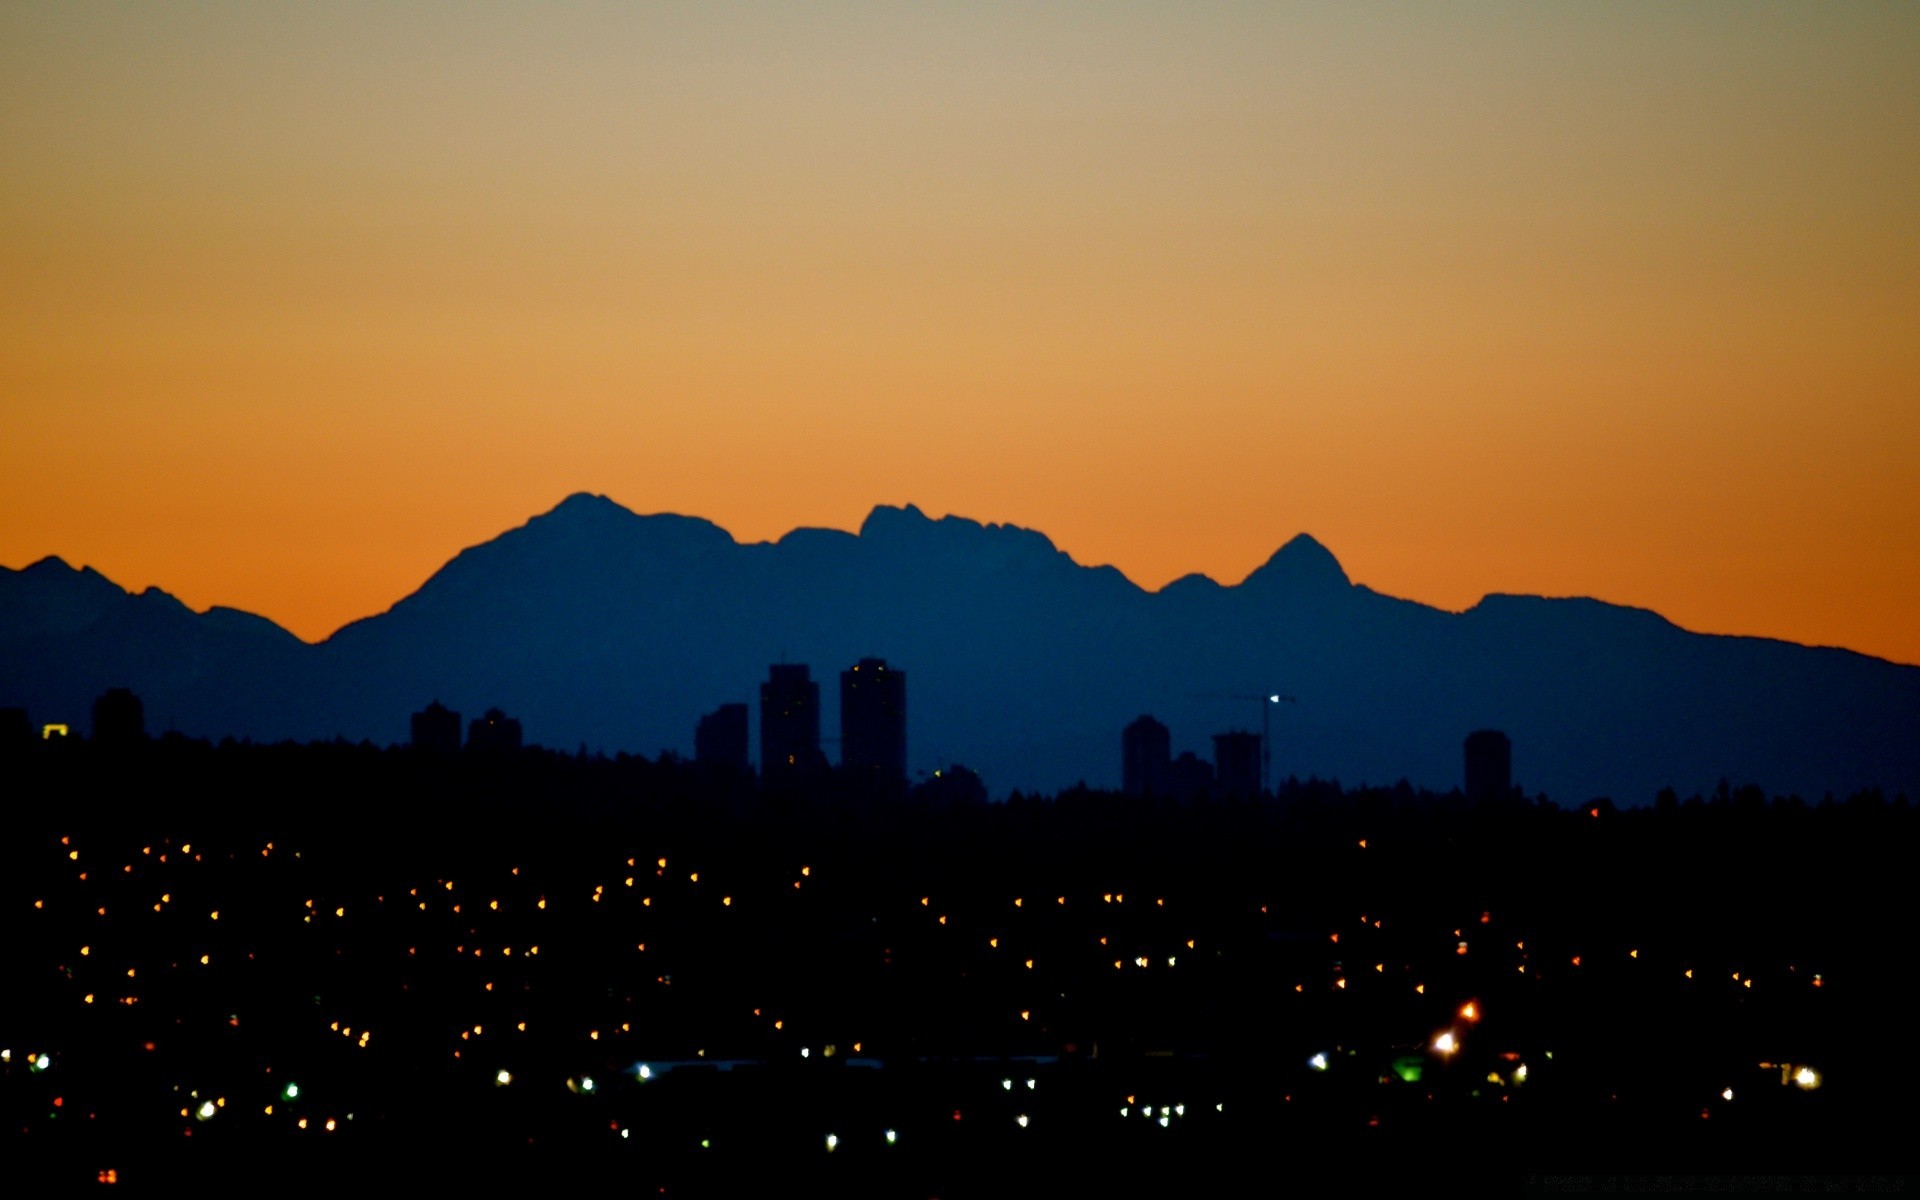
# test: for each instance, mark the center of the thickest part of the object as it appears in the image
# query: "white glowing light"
(42, 1063)
(1021, 1120)
(1446, 1043)
(625, 1134)
(833, 1141)
(892, 1137)
(1807, 1077)
(1032, 1083)
(1520, 1073)
(207, 1110)
(1727, 1094)
(1123, 1110)
(586, 1083)
(1006, 1085)
(1318, 1062)
(1163, 1122)
(1179, 1110)
(805, 1053)
(503, 1077)
(645, 1071)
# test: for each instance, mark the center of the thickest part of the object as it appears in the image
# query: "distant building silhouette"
(436, 729)
(873, 720)
(1145, 755)
(789, 724)
(16, 732)
(1489, 765)
(1189, 777)
(494, 732)
(952, 787)
(720, 739)
(1236, 763)
(119, 719)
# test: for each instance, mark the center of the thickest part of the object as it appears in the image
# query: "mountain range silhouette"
(595, 625)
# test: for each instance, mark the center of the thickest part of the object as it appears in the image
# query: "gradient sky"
(1614, 299)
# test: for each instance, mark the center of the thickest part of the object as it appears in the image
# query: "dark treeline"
(1280, 966)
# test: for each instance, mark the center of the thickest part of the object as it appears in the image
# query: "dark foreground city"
(332, 965)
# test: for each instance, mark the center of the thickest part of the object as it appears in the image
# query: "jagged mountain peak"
(1302, 565)
(593, 521)
(887, 523)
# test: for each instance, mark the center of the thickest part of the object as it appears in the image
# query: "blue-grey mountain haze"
(595, 625)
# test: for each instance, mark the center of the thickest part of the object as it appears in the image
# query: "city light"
(443, 978)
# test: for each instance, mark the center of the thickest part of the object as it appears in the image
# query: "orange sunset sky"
(1615, 299)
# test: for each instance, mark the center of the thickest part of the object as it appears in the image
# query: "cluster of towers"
(873, 738)
(437, 728)
(1147, 767)
(873, 725)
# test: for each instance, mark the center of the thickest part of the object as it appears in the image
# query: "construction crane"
(1266, 702)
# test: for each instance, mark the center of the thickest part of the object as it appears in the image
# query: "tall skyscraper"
(1236, 763)
(1489, 765)
(494, 732)
(720, 739)
(119, 719)
(1145, 752)
(873, 720)
(789, 724)
(436, 729)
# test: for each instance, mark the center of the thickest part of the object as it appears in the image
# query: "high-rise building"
(720, 739)
(789, 724)
(119, 719)
(873, 720)
(1236, 763)
(495, 731)
(1145, 754)
(1489, 766)
(436, 729)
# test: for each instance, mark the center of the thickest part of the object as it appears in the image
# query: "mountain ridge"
(597, 624)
